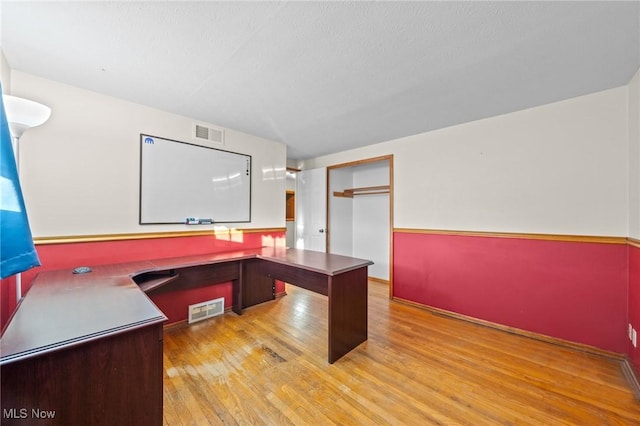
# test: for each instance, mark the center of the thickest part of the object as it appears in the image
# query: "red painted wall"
(174, 305)
(574, 291)
(634, 302)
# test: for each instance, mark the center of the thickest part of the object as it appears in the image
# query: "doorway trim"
(388, 158)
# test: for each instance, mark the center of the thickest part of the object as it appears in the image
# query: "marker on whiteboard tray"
(192, 221)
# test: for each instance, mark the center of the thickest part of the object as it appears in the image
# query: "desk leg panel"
(236, 290)
(257, 287)
(348, 310)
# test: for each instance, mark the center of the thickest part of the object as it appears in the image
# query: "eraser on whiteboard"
(205, 221)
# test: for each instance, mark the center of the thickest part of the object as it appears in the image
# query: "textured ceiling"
(324, 77)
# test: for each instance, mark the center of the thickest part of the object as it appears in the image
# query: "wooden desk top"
(62, 309)
(324, 263)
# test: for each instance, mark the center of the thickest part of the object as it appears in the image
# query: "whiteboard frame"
(143, 136)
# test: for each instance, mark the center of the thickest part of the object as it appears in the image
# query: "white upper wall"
(634, 157)
(80, 170)
(559, 168)
(570, 167)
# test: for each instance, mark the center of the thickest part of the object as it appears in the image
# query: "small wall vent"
(208, 133)
(204, 310)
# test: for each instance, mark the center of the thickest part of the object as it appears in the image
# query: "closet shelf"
(367, 190)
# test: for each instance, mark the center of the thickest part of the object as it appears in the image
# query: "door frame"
(388, 158)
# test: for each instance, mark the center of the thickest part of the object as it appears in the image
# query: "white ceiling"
(324, 77)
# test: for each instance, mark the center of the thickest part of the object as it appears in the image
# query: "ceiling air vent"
(208, 133)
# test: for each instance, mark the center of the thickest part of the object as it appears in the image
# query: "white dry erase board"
(179, 180)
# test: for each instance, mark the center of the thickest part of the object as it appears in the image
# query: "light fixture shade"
(23, 114)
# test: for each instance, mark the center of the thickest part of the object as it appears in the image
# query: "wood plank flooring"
(269, 367)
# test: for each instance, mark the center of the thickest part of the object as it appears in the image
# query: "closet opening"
(360, 213)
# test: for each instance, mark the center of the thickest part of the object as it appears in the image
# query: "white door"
(311, 209)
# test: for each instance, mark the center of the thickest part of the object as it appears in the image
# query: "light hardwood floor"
(269, 366)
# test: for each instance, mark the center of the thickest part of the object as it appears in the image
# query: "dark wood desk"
(342, 279)
(88, 348)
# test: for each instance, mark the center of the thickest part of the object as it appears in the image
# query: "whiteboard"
(180, 180)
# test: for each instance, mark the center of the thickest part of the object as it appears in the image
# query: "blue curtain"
(17, 252)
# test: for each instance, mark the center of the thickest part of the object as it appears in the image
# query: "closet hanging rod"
(367, 190)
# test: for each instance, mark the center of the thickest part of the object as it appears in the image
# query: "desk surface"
(324, 263)
(62, 309)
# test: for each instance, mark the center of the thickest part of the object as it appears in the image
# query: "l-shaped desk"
(89, 346)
